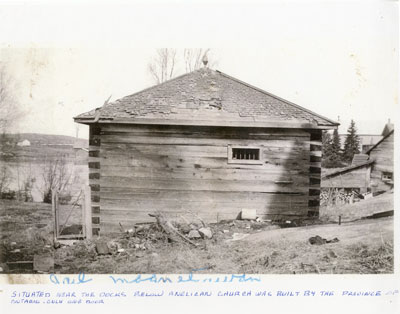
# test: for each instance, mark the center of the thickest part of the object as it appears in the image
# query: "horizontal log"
(126, 139)
(229, 174)
(94, 165)
(94, 159)
(211, 135)
(313, 192)
(94, 142)
(195, 184)
(111, 149)
(200, 204)
(95, 209)
(94, 153)
(94, 176)
(159, 161)
(222, 131)
(215, 196)
(315, 158)
(313, 203)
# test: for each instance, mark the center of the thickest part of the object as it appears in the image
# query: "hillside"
(42, 147)
(43, 139)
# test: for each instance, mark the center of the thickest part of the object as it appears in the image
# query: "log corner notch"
(315, 173)
(94, 176)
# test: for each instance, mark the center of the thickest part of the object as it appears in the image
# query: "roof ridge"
(277, 97)
(385, 137)
(348, 168)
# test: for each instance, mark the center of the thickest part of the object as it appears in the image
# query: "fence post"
(54, 208)
(87, 212)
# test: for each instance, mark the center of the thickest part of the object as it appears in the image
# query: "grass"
(364, 247)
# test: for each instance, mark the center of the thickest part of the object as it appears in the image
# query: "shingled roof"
(206, 97)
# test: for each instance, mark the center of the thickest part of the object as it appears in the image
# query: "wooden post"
(54, 207)
(87, 213)
(53, 211)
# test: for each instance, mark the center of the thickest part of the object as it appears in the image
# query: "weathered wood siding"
(180, 169)
(383, 155)
(356, 179)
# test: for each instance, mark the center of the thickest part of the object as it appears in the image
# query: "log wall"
(383, 155)
(358, 178)
(186, 169)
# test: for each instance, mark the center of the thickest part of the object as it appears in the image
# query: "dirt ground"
(364, 247)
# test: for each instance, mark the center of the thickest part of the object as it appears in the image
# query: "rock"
(238, 236)
(13, 243)
(43, 263)
(102, 248)
(120, 250)
(15, 251)
(194, 234)
(205, 233)
(57, 244)
(332, 254)
(317, 240)
(185, 228)
(113, 246)
(248, 214)
(334, 240)
(193, 226)
(225, 231)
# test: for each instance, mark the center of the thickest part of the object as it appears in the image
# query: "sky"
(336, 58)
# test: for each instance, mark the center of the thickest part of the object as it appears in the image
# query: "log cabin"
(382, 173)
(355, 177)
(207, 143)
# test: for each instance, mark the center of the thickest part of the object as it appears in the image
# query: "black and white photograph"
(127, 149)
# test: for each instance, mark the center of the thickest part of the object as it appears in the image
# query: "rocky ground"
(237, 246)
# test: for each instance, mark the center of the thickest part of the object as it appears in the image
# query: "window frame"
(244, 161)
(387, 176)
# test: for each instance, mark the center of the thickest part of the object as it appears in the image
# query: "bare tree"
(9, 109)
(56, 175)
(5, 178)
(163, 65)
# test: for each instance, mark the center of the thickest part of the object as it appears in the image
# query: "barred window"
(244, 155)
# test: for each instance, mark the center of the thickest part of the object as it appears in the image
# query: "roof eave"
(225, 123)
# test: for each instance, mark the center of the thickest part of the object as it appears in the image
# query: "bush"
(8, 195)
